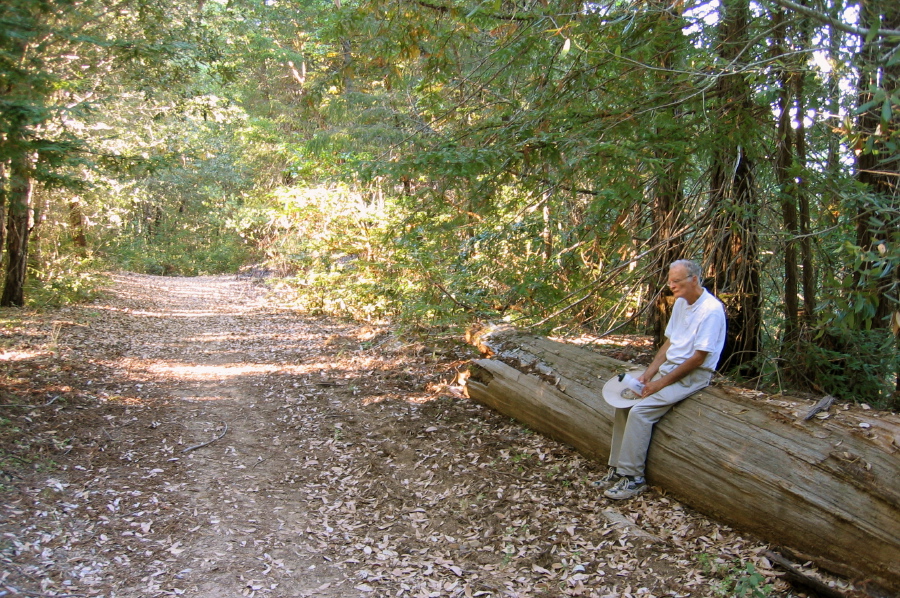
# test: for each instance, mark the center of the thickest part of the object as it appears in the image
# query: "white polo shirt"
(697, 327)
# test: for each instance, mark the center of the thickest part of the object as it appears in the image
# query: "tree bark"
(17, 231)
(826, 488)
(732, 250)
(831, 200)
(666, 192)
(784, 165)
(806, 241)
(547, 233)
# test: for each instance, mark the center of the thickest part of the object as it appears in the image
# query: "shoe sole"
(625, 495)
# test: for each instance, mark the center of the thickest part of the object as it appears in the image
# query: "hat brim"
(617, 394)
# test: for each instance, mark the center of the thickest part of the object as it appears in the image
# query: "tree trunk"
(806, 241)
(17, 232)
(547, 233)
(346, 50)
(831, 199)
(732, 244)
(784, 165)
(76, 223)
(667, 194)
(826, 488)
(4, 193)
(733, 263)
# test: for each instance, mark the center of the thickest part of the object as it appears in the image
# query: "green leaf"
(873, 32)
(865, 107)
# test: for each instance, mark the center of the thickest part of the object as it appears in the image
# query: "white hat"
(617, 393)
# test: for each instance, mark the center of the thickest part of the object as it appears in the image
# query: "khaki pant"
(634, 426)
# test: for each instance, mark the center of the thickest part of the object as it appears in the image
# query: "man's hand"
(651, 370)
(652, 387)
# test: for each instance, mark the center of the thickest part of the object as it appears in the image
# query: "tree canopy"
(440, 162)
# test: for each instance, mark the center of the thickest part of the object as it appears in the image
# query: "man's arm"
(688, 366)
(654, 365)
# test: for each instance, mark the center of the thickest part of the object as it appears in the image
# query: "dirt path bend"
(188, 437)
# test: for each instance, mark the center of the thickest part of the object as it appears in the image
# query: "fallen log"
(829, 488)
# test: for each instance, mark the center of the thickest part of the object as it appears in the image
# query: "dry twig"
(219, 437)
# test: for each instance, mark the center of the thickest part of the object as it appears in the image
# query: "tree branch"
(837, 23)
(501, 17)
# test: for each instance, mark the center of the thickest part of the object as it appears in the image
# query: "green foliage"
(66, 280)
(854, 365)
(852, 351)
(438, 163)
(65, 68)
(735, 580)
(745, 583)
(327, 243)
(182, 253)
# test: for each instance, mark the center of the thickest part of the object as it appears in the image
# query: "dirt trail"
(208, 443)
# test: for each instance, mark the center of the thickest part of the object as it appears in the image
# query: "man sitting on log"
(695, 336)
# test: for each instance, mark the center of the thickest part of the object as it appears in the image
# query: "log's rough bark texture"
(829, 489)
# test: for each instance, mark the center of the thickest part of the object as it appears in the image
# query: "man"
(685, 363)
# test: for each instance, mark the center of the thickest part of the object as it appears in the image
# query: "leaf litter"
(195, 437)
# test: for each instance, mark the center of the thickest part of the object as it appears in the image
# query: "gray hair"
(692, 267)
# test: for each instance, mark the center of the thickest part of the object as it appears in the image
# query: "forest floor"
(194, 437)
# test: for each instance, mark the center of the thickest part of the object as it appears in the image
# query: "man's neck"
(692, 297)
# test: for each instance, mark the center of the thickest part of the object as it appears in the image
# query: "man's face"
(679, 281)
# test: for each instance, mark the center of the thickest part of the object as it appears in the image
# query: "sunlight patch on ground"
(177, 314)
(221, 372)
(125, 400)
(408, 398)
(436, 392)
(204, 398)
(19, 355)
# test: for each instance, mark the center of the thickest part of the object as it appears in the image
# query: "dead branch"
(822, 405)
(797, 578)
(47, 404)
(191, 448)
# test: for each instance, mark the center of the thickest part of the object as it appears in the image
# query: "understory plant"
(857, 366)
(64, 280)
(735, 579)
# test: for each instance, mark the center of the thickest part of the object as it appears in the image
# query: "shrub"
(64, 281)
(855, 365)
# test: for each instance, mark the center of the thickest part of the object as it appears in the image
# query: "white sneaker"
(626, 487)
(608, 480)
